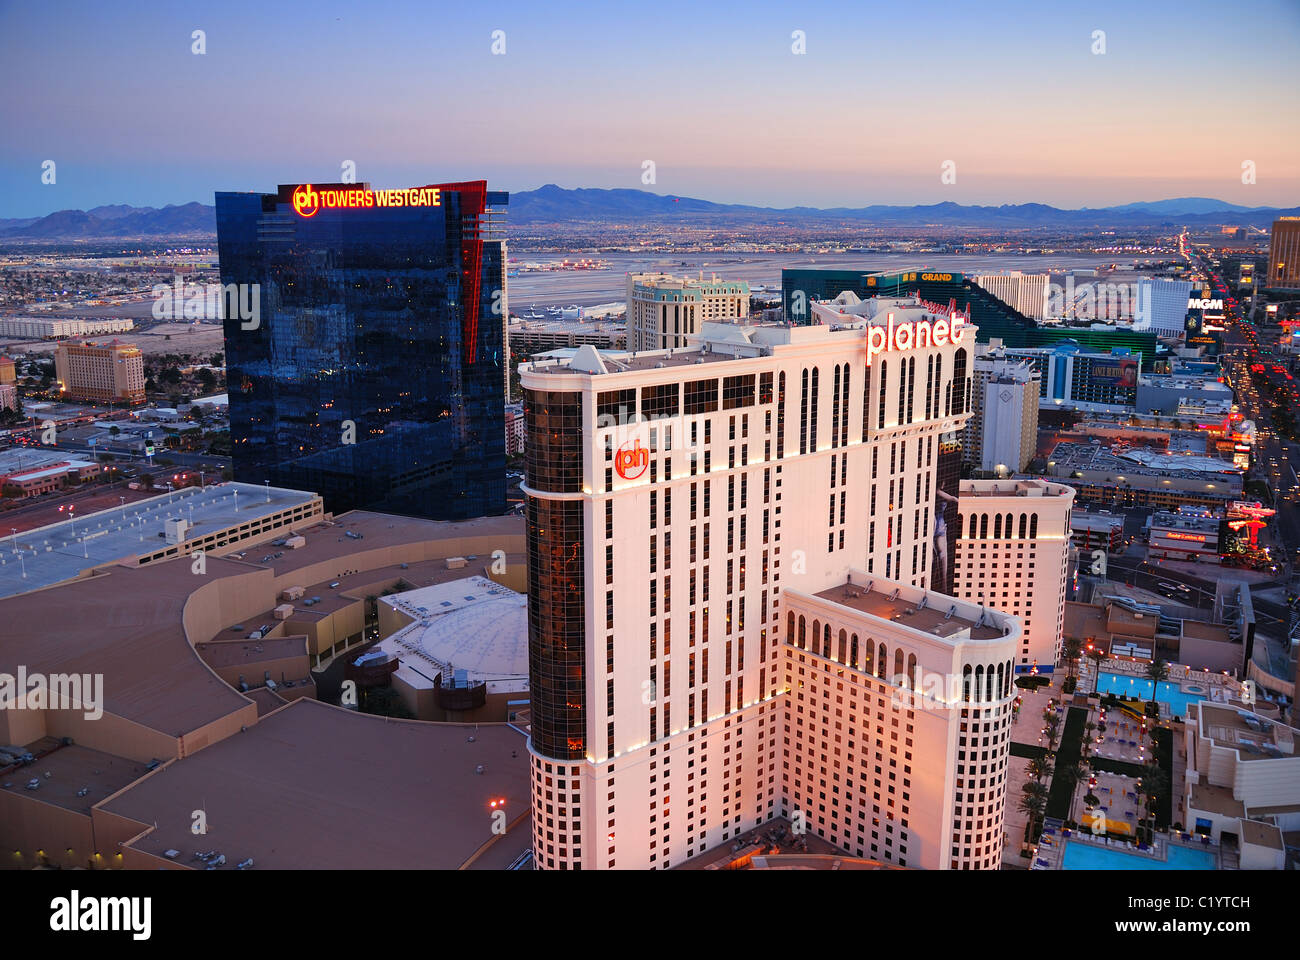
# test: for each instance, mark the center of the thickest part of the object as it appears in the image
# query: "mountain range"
(552, 204)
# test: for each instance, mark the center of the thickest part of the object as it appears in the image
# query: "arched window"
(844, 647)
(780, 417)
(900, 678)
(803, 412)
(812, 414)
(1024, 521)
(997, 526)
(973, 521)
(826, 640)
(913, 672)
(868, 657)
(1007, 526)
(965, 682)
(803, 624)
(929, 387)
(988, 685)
(938, 380)
(979, 682)
(835, 408)
(1002, 691)
(1033, 526)
(816, 636)
(789, 627)
(853, 652)
(984, 526)
(959, 382)
(882, 661)
(880, 405)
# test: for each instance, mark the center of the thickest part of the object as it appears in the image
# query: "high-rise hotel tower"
(731, 550)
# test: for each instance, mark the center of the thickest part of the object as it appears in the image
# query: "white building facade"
(1013, 554)
(672, 497)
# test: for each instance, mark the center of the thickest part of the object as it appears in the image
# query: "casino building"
(719, 633)
(367, 360)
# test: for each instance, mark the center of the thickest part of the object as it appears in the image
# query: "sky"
(1010, 95)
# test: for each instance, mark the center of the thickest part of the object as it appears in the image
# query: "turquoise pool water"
(1084, 856)
(1170, 693)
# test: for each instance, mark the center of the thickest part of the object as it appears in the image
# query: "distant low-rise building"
(1188, 533)
(93, 373)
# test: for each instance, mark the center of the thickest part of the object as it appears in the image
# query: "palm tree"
(1040, 767)
(1153, 783)
(1072, 648)
(1053, 725)
(1071, 775)
(1034, 806)
(1157, 671)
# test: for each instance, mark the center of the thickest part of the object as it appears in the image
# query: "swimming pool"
(1173, 694)
(1085, 856)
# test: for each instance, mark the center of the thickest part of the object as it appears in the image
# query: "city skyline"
(725, 109)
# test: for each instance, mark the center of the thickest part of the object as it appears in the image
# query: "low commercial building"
(462, 649)
(1096, 530)
(534, 336)
(1243, 780)
(35, 328)
(191, 664)
(1143, 478)
(1188, 533)
(1167, 394)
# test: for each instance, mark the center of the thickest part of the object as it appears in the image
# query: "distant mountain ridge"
(552, 204)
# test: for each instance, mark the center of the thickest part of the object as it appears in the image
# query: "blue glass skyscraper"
(367, 360)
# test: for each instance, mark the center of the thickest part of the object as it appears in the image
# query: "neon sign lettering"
(918, 335)
(308, 201)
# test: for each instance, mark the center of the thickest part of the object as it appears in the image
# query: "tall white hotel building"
(1013, 553)
(731, 553)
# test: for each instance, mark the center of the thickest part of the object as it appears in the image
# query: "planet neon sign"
(915, 335)
(308, 201)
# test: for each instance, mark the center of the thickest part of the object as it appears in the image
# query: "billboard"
(1120, 371)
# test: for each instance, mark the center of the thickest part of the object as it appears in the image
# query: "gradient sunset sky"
(711, 92)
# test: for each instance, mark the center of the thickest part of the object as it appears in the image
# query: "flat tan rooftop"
(1227, 727)
(931, 619)
(1261, 834)
(71, 769)
(315, 787)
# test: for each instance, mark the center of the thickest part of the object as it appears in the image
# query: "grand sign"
(308, 201)
(915, 335)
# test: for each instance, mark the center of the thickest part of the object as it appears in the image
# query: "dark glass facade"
(375, 372)
(556, 579)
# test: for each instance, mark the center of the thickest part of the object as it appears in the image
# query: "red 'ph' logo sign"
(630, 462)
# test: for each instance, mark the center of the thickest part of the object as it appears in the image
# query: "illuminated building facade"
(372, 369)
(1014, 555)
(681, 507)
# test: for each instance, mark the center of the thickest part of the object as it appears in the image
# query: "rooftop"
(932, 613)
(1012, 488)
(62, 551)
(1253, 737)
(470, 624)
(311, 786)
